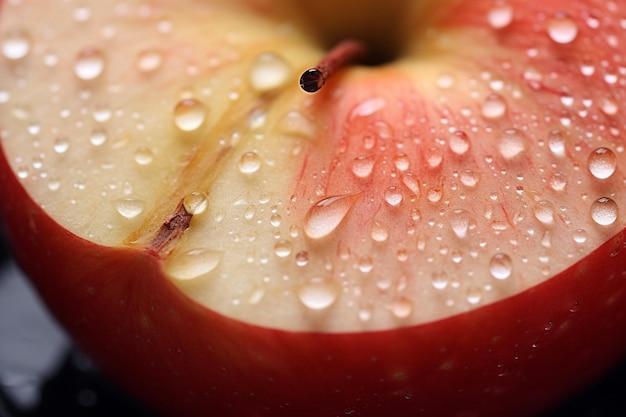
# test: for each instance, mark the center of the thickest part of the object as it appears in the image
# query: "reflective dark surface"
(43, 375)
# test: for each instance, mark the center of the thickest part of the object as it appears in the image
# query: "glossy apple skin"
(514, 358)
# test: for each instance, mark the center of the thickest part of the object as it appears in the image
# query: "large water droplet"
(500, 15)
(562, 29)
(459, 142)
(193, 263)
(512, 143)
(460, 222)
(393, 195)
(195, 202)
(604, 211)
(494, 106)
(89, 64)
(249, 163)
(602, 163)
(189, 114)
(16, 44)
(129, 207)
(501, 266)
(324, 217)
(318, 293)
(269, 71)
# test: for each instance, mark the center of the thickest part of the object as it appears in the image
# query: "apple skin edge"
(515, 357)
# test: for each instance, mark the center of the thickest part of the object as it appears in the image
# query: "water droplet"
(249, 163)
(189, 114)
(324, 217)
(460, 222)
(149, 60)
(401, 162)
(410, 182)
(474, 295)
(98, 136)
(393, 195)
(402, 308)
(193, 263)
(269, 71)
(362, 166)
(580, 236)
(302, 258)
(318, 293)
(365, 264)
(562, 29)
(129, 207)
(459, 142)
(500, 15)
(195, 202)
(602, 163)
(439, 279)
(445, 81)
(379, 233)
(101, 113)
(544, 212)
(469, 178)
(61, 145)
(89, 64)
(512, 143)
(16, 44)
(434, 157)
(501, 266)
(604, 211)
(283, 248)
(494, 106)
(558, 181)
(556, 142)
(143, 155)
(609, 105)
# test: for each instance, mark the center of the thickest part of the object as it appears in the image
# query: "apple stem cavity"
(171, 229)
(344, 53)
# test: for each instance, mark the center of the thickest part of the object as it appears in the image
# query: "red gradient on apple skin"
(514, 357)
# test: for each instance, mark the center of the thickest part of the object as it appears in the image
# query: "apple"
(435, 227)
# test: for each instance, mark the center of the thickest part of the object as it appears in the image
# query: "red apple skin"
(515, 357)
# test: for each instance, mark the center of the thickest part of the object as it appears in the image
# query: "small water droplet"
(609, 105)
(101, 112)
(602, 163)
(61, 145)
(580, 236)
(325, 215)
(494, 106)
(562, 29)
(459, 142)
(283, 248)
(149, 60)
(143, 155)
(558, 181)
(469, 178)
(393, 195)
(98, 136)
(402, 308)
(460, 222)
(604, 211)
(512, 143)
(474, 294)
(365, 264)
(434, 157)
(500, 15)
(16, 44)
(302, 258)
(544, 212)
(379, 232)
(410, 182)
(401, 162)
(501, 266)
(362, 166)
(318, 293)
(193, 263)
(249, 163)
(129, 207)
(269, 71)
(89, 64)
(275, 219)
(196, 202)
(189, 114)
(439, 279)
(556, 142)
(445, 81)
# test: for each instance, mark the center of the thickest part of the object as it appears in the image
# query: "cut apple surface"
(480, 162)
(439, 230)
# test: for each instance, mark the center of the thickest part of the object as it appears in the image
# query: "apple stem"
(343, 54)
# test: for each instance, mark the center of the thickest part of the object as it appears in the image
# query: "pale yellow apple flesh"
(401, 194)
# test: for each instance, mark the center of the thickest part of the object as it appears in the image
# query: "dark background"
(43, 375)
